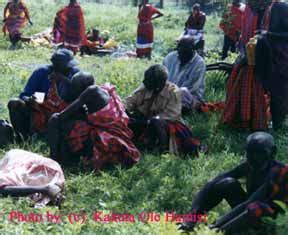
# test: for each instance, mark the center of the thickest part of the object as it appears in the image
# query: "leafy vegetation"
(159, 183)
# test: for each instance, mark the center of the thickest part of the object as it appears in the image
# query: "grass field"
(159, 183)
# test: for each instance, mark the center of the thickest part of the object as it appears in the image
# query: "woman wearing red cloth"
(69, 26)
(246, 102)
(16, 16)
(145, 31)
(231, 26)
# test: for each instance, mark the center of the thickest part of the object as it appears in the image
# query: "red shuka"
(69, 27)
(232, 21)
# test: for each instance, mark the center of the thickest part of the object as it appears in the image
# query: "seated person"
(24, 173)
(194, 27)
(155, 114)
(93, 43)
(96, 43)
(266, 181)
(187, 70)
(95, 126)
(28, 116)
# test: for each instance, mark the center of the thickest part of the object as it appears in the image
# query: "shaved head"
(186, 49)
(80, 82)
(260, 149)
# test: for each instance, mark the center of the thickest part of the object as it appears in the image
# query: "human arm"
(155, 12)
(157, 15)
(131, 101)
(202, 22)
(75, 107)
(35, 82)
(235, 217)
(172, 110)
(26, 12)
(196, 78)
(6, 12)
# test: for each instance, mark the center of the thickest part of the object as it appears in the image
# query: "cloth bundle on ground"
(22, 168)
(44, 38)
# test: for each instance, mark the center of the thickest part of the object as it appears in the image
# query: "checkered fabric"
(108, 130)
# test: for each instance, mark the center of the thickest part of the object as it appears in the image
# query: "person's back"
(69, 26)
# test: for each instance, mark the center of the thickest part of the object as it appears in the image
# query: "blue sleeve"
(38, 81)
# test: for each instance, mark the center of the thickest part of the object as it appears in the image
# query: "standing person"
(246, 102)
(69, 26)
(145, 31)
(194, 27)
(272, 62)
(16, 16)
(231, 26)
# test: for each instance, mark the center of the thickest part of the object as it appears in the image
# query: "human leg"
(212, 194)
(20, 117)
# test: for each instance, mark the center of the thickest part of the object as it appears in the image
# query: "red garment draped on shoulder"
(108, 130)
(232, 21)
(69, 27)
(16, 18)
(246, 102)
(42, 113)
(145, 31)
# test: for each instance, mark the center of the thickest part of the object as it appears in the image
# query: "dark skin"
(20, 110)
(89, 99)
(59, 74)
(236, 3)
(185, 49)
(154, 80)
(260, 160)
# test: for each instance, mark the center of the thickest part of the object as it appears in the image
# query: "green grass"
(158, 183)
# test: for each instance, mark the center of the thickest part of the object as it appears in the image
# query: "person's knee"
(156, 122)
(15, 104)
(228, 183)
(54, 121)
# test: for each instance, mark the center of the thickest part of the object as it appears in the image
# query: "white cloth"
(22, 168)
(191, 76)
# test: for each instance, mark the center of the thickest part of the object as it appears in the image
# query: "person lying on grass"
(266, 182)
(187, 70)
(29, 115)
(94, 126)
(155, 114)
(24, 173)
